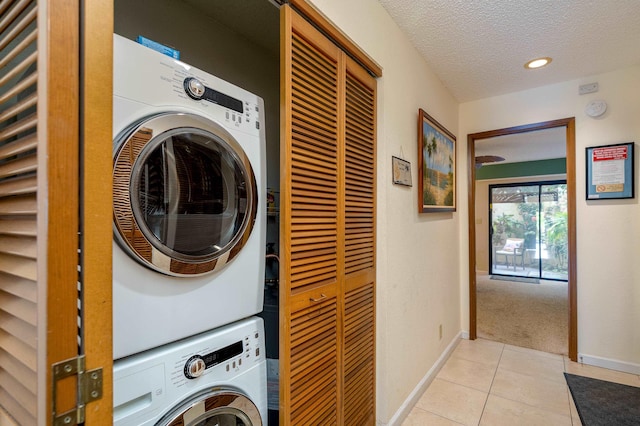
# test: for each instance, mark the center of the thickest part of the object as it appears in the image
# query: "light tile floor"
(490, 383)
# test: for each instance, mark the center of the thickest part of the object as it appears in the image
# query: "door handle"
(318, 299)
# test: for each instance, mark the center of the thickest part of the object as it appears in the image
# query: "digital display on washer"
(221, 355)
(222, 99)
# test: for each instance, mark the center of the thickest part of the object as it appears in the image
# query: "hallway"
(490, 383)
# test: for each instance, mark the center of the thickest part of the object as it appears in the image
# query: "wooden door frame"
(58, 198)
(77, 112)
(569, 125)
(96, 89)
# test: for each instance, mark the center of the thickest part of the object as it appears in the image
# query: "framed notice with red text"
(610, 171)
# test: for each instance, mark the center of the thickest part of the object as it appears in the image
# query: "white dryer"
(189, 200)
(214, 378)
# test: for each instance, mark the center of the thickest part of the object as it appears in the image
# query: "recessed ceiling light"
(537, 63)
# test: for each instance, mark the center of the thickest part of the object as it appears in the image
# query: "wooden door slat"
(328, 232)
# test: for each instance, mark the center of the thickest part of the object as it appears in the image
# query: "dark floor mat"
(602, 403)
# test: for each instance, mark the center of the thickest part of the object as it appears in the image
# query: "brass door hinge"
(89, 389)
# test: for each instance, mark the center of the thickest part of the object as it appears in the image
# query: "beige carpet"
(533, 316)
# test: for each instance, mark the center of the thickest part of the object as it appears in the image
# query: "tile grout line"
(440, 416)
(528, 403)
(466, 386)
(491, 385)
(569, 396)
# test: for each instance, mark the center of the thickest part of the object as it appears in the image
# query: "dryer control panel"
(149, 77)
(198, 91)
(147, 385)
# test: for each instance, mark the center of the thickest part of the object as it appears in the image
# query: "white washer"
(217, 377)
(189, 189)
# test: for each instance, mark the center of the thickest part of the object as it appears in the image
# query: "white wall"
(608, 277)
(417, 254)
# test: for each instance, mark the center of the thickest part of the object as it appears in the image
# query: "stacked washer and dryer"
(188, 258)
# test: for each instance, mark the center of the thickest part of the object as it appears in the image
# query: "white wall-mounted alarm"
(595, 108)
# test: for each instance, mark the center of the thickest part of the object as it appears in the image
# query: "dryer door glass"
(185, 196)
(189, 192)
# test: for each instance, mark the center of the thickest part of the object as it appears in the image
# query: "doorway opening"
(568, 124)
(528, 230)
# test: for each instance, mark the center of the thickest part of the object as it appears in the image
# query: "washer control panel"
(217, 356)
(195, 366)
(147, 384)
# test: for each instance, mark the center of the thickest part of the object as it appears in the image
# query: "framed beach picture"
(436, 166)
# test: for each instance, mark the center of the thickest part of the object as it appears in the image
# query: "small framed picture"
(401, 171)
(610, 173)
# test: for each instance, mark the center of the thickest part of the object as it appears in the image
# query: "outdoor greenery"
(515, 217)
(505, 225)
(529, 214)
(557, 239)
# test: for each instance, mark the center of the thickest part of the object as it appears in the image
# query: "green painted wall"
(526, 168)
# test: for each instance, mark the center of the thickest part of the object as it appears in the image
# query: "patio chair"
(513, 252)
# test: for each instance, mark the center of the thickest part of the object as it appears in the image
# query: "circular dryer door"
(184, 194)
(219, 407)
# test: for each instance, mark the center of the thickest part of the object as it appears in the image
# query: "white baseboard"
(424, 383)
(611, 364)
(464, 335)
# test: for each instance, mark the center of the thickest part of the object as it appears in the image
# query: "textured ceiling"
(478, 48)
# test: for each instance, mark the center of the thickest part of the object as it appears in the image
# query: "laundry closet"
(237, 42)
(320, 320)
(176, 128)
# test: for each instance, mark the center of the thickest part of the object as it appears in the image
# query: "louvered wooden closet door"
(40, 130)
(310, 226)
(359, 233)
(19, 290)
(327, 372)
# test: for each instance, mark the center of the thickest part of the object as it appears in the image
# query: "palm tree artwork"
(438, 166)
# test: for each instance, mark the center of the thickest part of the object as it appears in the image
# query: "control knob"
(194, 367)
(194, 88)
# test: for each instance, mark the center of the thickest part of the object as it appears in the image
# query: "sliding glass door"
(528, 230)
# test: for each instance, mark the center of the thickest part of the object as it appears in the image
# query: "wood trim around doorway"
(569, 125)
